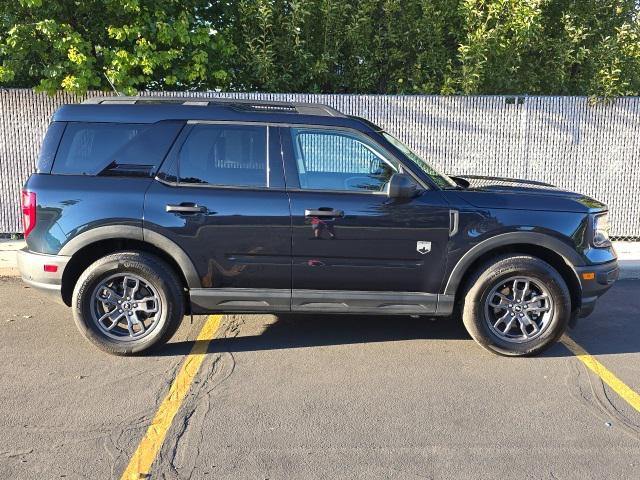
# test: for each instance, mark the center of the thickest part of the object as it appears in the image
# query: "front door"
(225, 205)
(354, 247)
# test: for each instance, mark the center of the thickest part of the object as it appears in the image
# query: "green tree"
(383, 46)
(136, 44)
(550, 47)
(295, 45)
(402, 46)
(566, 47)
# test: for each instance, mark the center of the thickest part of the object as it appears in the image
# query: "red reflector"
(51, 268)
(28, 212)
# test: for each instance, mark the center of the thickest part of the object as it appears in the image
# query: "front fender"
(570, 256)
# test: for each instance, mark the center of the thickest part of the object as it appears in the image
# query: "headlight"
(601, 230)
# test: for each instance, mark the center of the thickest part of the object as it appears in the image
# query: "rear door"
(221, 198)
(349, 236)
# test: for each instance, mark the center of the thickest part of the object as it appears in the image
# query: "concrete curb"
(9, 272)
(629, 269)
(628, 256)
(629, 259)
(8, 260)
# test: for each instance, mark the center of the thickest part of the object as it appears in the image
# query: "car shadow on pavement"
(302, 331)
(612, 329)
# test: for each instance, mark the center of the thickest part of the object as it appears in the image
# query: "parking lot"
(318, 397)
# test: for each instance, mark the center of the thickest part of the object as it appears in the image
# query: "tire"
(99, 289)
(483, 306)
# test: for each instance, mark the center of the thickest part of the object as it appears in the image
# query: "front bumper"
(604, 276)
(32, 270)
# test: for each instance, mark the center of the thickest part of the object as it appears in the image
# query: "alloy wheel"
(125, 307)
(518, 309)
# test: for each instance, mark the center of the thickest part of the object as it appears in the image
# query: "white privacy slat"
(593, 149)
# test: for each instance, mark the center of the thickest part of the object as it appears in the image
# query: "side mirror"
(401, 186)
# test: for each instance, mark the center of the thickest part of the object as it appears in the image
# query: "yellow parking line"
(617, 385)
(150, 445)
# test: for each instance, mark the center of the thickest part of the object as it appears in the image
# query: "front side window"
(338, 160)
(233, 155)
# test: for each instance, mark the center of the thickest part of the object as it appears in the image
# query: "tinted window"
(225, 155)
(332, 160)
(114, 148)
(50, 146)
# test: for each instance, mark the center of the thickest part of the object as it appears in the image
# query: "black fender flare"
(133, 232)
(569, 255)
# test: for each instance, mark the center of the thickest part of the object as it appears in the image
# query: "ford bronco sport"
(143, 210)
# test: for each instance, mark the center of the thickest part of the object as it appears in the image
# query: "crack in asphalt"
(195, 410)
(606, 403)
(16, 453)
(596, 397)
(117, 439)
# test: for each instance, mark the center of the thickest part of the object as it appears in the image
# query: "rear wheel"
(128, 302)
(516, 305)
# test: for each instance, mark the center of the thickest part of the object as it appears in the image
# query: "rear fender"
(115, 232)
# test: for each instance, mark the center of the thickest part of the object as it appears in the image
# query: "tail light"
(28, 211)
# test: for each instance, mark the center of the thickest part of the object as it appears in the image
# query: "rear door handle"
(186, 207)
(323, 212)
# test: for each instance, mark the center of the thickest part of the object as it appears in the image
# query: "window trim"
(192, 123)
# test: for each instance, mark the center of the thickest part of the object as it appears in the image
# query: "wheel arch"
(553, 251)
(86, 248)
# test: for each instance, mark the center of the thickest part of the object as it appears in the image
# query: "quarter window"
(114, 148)
(234, 155)
(50, 146)
(337, 160)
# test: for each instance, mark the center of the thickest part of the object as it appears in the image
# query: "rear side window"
(234, 155)
(125, 149)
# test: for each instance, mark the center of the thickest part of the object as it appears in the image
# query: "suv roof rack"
(247, 105)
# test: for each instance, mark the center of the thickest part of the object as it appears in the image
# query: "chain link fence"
(565, 141)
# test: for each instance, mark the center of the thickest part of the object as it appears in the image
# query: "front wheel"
(127, 302)
(516, 305)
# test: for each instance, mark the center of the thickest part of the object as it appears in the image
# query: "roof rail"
(243, 104)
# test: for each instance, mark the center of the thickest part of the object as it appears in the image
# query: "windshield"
(442, 180)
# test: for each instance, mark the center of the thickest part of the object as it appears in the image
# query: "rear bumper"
(32, 269)
(604, 276)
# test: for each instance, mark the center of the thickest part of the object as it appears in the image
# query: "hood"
(498, 192)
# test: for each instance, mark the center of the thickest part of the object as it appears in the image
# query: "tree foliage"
(76, 45)
(579, 47)
(550, 47)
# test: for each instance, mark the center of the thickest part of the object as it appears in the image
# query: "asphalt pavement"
(319, 396)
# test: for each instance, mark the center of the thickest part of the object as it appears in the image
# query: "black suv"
(143, 210)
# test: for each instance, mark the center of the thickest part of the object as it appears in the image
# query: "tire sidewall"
(474, 311)
(141, 266)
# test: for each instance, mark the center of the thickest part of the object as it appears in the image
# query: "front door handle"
(323, 212)
(186, 207)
